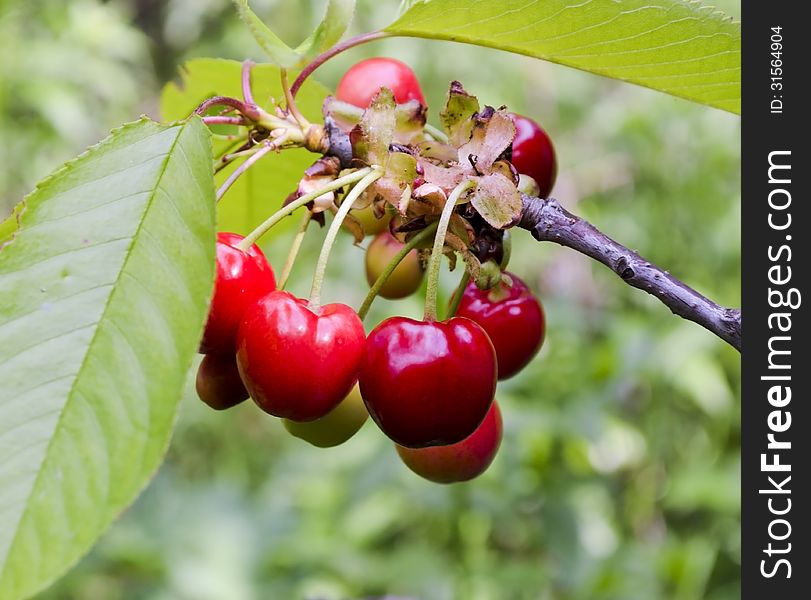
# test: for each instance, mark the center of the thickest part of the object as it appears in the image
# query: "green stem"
(436, 133)
(456, 299)
(291, 103)
(252, 160)
(507, 249)
(372, 175)
(335, 50)
(226, 159)
(299, 202)
(384, 276)
(294, 249)
(235, 141)
(436, 252)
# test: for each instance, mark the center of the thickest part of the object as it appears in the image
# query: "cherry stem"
(436, 252)
(294, 248)
(371, 176)
(248, 110)
(291, 103)
(436, 133)
(335, 50)
(456, 299)
(280, 214)
(506, 249)
(240, 152)
(221, 101)
(398, 258)
(252, 160)
(224, 120)
(247, 94)
(227, 137)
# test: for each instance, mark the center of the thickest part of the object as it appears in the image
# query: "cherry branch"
(548, 221)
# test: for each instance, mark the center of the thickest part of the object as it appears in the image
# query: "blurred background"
(618, 477)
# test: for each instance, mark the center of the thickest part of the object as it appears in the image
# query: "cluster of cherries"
(428, 385)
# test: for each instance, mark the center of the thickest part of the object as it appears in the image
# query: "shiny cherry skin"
(369, 221)
(242, 278)
(533, 153)
(461, 461)
(406, 277)
(362, 81)
(334, 428)
(298, 363)
(428, 383)
(218, 382)
(512, 316)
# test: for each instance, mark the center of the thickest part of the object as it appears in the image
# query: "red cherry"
(533, 154)
(428, 383)
(218, 383)
(298, 363)
(461, 461)
(406, 277)
(512, 316)
(362, 81)
(242, 278)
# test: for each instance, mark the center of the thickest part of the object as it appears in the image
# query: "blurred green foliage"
(619, 473)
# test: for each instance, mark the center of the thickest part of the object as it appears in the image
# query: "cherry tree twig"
(548, 221)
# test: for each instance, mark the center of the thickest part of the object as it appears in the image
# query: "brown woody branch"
(547, 220)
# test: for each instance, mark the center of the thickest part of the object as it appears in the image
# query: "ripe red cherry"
(461, 461)
(298, 363)
(218, 383)
(362, 81)
(406, 277)
(512, 316)
(242, 278)
(533, 154)
(428, 383)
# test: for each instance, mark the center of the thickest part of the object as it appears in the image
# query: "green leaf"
(279, 52)
(265, 186)
(682, 48)
(9, 226)
(405, 5)
(332, 27)
(103, 296)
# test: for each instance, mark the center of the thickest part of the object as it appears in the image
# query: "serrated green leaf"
(10, 224)
(279, 52)
(336, 20)
(264, 187)
(103, 296)
(682, 48)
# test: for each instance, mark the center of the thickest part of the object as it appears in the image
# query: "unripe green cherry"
(334, 428)
(371, 224)
(405, 279)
